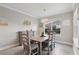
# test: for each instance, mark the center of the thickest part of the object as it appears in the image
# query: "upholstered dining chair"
(29, 48)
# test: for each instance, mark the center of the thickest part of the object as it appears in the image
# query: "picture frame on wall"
(3, 23)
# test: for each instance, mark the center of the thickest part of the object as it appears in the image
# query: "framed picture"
(3, 23)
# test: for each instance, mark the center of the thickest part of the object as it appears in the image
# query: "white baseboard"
(9, 46)
(63, 42)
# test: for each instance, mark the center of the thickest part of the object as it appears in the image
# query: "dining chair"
(30, 47)
(48, 43)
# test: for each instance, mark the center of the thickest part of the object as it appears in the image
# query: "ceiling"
(37, 9)
(54, 23)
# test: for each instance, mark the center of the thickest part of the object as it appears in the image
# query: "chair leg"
(54, 44)
(38, 50)
(25, 52)
(51, 48)
(48, 49)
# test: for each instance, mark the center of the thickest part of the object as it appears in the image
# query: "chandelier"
(44, 19)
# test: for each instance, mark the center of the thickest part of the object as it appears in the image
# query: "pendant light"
(44, 19)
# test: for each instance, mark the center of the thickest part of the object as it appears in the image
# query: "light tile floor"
(60, 49)
(18, 50)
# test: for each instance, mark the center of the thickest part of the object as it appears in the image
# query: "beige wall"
(76, 27)
(39, 29)
(8, 34)
(66, 31)
(66, 26)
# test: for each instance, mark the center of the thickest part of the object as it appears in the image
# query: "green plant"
(56, 30)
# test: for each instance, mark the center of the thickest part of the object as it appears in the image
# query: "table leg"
(48, 48)
(40, 48)
(51, 44)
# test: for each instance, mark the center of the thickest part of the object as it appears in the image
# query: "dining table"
(40, 40)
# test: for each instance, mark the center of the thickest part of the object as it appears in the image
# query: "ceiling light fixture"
(44, 19)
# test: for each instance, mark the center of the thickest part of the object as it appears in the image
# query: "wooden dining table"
(40, 40)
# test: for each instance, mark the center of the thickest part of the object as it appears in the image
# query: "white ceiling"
(36, 9)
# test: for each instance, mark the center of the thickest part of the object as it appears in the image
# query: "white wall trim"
(17, 10)
(9, 46)
(63, 42)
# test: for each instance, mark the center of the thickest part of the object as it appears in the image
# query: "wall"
(75, 29)
(40, 29)
(8, 34)
(66, 26)
(66, 31)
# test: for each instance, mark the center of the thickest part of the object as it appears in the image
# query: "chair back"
(26, 42)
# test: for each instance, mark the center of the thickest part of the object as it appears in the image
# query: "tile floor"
(60, 49)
